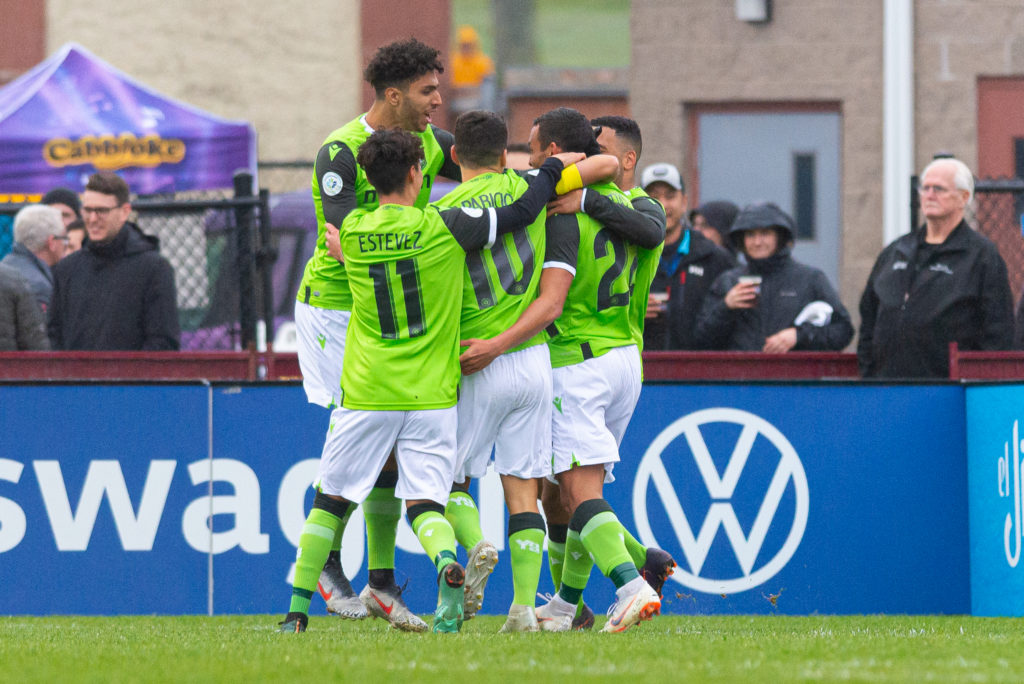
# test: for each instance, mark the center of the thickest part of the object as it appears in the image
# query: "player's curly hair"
(625, 128)
(568, 129)
(480, 137)
(386, 156)
(398, 64)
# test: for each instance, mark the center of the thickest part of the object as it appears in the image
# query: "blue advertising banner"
(95, 499)
(793, 499)
(802, 499)
(995, 428)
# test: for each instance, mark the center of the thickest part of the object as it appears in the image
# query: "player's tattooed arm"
(542, 312)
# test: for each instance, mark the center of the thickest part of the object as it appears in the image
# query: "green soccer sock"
(382, 512)
(340, 533)
(556, 552)
(602, 535)
(637, 551)
(464, 517)
(525, 549)
(434, 532)
(576, 570)
(314, 544)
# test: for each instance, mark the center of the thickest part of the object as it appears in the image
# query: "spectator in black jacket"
(942, 283)
(689, 263)
(772, 303)
(117, 292)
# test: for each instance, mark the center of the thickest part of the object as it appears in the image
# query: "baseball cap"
(662, 173)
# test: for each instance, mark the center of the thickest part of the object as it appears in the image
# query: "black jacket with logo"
(787, 286)
(116, 295)
(687, 284)
(915, 304)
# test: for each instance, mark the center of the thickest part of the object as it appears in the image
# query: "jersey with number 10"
(405, 269)
(596, 315)
(339, 186)
(500, 282)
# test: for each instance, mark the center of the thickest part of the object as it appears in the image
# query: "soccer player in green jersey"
(506, 406)
(400, 380)
(596, 374)
(404, 76)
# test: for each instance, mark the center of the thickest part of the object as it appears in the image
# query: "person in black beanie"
(65, 201)
(713, 220)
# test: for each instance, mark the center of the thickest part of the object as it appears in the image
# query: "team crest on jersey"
(331, 183)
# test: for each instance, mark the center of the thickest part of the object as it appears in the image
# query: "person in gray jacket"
(22, 327)
(40, 241)
(772, 303)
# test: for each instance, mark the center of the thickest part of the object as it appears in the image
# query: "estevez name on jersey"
(390, 242)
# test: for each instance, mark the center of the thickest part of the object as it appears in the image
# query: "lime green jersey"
(406, 267)
(500, 282)
(647, 265)
(339, 186)
(596, 316)
(405, 272)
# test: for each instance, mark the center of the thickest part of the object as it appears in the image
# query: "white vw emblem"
(720, 488)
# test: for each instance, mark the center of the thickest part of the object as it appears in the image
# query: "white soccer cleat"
(387, 604)
(479, 567)
(634, 603)
(520, 619)
(337, 592)
(556, 615)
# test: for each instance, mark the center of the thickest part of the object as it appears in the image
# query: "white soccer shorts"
(358, 444)
(507, 406)
(593, 402)
(321, 336)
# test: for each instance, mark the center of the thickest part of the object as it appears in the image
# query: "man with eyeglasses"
(117, 292)
(40, 241)
(941, 283)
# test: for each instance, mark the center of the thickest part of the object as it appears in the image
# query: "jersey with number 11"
(405, 270)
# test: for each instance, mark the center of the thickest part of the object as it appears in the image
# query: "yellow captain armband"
(570, 180)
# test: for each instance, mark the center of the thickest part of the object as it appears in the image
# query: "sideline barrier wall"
(787, 498)
(995, 479)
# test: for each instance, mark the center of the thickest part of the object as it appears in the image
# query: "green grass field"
(668, 649)
(565, 31)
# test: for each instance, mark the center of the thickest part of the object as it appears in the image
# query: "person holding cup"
(772, 303)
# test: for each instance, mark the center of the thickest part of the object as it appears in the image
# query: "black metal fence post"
(244, 218)
(266, 255)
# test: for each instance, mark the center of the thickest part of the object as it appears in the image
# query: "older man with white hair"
(941, 283)
(40, 241)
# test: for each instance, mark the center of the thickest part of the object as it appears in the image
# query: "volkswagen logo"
(720, 488)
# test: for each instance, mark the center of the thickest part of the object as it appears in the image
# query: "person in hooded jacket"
(117, 292)
(793, 307)
(941, 283)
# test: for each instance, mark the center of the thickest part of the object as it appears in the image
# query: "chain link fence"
(221, 248)
(996, 213)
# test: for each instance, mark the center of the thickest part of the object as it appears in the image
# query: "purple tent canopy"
(74, 114)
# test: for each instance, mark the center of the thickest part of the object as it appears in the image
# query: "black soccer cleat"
(293, 623)
(658, 565)
(585, 619)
